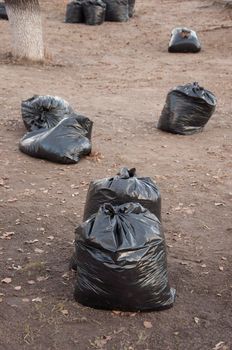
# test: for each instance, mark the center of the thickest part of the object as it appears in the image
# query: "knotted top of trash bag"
(94, 2)
(196, 91)
(126, 173)
(44, 111)
(122, 224)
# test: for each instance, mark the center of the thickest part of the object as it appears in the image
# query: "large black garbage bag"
(74, 12)
(131, 4)
(187, 109)
(123, 188)
(3, 14)
(184, 40)
(121, 260)
(44, 111)
(66, 143)
(94, 11)
(117, 10)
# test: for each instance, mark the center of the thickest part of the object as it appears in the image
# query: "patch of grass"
(28, 336)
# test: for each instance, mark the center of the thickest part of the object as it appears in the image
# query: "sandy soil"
(118, 74)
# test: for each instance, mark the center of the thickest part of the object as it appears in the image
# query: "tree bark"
(26, 29)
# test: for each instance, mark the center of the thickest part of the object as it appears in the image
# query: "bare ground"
(118, 74)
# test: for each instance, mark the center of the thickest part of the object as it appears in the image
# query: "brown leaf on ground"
(12, 200)
(7, 235)
(147, 324)
(17, 288)
(95, 157)
(6, 280)
(100, 342)
(31, 241)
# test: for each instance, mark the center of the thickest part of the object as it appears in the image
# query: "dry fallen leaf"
(17, 287)
(95, 157)
(31, 282)
(221, 346)
(37, 300)
(100, 342)
(7, 235)
(147, 324)
(64, 312)
(25, 300)
(41, 278)
(6, 280)
(51, 237)
(37, 250)
(115, 312)
(12, 200)
(196, 320)
(32, 241)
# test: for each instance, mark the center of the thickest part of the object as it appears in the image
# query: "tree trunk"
(26, 29)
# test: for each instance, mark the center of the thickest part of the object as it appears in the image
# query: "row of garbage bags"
(57, 133)
(95, 12)
(120, 252)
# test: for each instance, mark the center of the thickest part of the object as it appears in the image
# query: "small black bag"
(121, 260)
(65, 143)
(184, 40)
(187, 109)
(44, 111)
(94, 11)
(123, 188)
(74, 12)
(3, 14)
(117, 10)
(131, 4)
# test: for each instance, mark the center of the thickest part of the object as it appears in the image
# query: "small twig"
(223, 26)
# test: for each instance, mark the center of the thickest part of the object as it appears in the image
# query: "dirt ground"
(118, 74)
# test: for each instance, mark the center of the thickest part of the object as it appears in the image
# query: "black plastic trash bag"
(44, 111)
(131, 4)
(94, 11)
(74, 12)
(184, 40)
(3, 14)
(117, 10)
(121, 260)
(65, 143)
(187, 109)
(123, 188)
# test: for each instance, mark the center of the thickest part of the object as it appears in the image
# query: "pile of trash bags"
(187, 109)
(55, 131)
(120, 253)
(184, 40)
(3, 14)
(95, 12)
